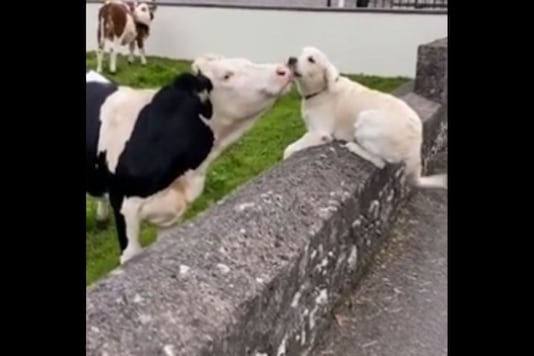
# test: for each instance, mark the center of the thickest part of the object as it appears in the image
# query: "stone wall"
(258, 273)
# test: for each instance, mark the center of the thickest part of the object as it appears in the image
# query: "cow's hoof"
(102, 224)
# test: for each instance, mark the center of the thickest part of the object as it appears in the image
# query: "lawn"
(261, 148)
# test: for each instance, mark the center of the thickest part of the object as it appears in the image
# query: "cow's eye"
(228, 75)
(311, 60)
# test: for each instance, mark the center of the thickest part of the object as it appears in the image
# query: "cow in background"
(123, 24)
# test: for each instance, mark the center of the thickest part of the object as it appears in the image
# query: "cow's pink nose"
(281, 71)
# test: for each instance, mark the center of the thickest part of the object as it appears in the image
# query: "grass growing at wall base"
(261, 148)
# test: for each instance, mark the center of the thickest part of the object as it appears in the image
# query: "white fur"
(378, 127)
(242, 92)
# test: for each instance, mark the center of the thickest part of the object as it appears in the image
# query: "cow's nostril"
(281, 72)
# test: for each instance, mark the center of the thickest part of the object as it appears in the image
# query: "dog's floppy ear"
(331, 74)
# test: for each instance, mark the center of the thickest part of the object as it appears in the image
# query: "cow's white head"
(143, 11)
(242, 90)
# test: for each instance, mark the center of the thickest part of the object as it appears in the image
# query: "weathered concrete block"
(431, 72)
(258, 273)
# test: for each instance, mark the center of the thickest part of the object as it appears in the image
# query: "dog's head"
(312, 71)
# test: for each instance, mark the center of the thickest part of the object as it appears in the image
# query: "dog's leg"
(102, 212)
(195, 186)
(309, 139)
(130, 211)
(357, 149)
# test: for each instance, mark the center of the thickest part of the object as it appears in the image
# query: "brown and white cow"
(123, 23)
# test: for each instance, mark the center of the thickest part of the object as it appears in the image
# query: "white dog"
(378, 127)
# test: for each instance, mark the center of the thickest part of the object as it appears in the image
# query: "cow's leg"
(131, 54)
(113, 51)
(102, 212)
(100, 55)
(120, 224)
(130, 211)
(142, 56)
(141, 46)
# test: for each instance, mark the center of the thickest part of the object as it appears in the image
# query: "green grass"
(258, 150)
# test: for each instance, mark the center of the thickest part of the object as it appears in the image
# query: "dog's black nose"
(291, 61)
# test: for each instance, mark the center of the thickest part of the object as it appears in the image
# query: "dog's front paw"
(129, 253)
(378, 162)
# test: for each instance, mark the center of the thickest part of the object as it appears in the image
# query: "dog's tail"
(433, 181)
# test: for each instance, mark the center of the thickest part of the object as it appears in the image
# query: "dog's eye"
(311, 60)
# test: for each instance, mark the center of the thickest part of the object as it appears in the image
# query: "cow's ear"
(204, 82)
(186, 81)
(202, 60)
(206, 109)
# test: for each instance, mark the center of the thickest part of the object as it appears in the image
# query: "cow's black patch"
(96, 94)
(168, 138)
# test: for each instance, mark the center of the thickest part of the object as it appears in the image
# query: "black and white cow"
(141, 140)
